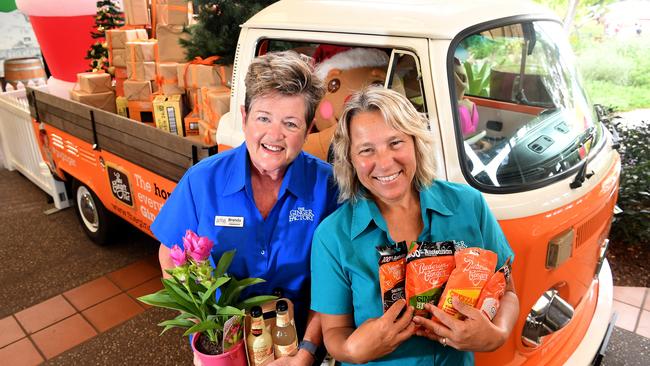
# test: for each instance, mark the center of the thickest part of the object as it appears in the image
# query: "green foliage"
(108, 17)
(217, 30)
(478, 79)
(633, 224)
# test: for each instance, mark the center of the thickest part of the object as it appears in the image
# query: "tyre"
(96, 221)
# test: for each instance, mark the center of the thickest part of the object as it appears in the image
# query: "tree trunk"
(571, 13)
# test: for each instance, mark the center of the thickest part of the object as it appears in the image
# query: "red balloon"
(64, 41)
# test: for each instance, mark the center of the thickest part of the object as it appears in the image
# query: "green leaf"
(180, 296)
(183, 323)
(210, 292)
(234, 289)
(224, 263)
(257, 300)
(202, 326)
(228, 311)
(165, 301)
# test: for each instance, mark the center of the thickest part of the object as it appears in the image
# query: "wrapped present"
(207, 132)
(119, 86)
(194, 76)
(141, 70)
(167, 113)
(167, 79)
(117, 38)
(169, 49)
(120, 72)
(117, 57)
(122, 105)
(215, 102)
(141, 51)
(136, 12)
(137, 90)
(171, 12)
(191, 124)
(141, 111)
(103, 100)
(94, 82)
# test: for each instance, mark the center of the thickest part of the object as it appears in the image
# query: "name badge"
(229, 221)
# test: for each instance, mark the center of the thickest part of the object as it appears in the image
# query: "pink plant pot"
(235, 357)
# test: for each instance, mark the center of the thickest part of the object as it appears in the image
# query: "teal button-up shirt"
(344, 260)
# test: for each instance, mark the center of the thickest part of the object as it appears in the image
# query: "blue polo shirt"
(345, 265)
(216, 194)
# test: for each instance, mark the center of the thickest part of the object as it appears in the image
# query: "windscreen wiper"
(582, 172)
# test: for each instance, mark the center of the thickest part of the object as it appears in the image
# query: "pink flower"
(178, 255)
(189, 241)
(201, 249)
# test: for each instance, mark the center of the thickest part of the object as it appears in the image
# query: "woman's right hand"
(378, 337)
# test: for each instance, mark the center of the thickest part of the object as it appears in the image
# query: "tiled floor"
(56, 325)
(633, 307)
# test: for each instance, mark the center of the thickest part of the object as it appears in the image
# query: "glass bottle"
(285, 340)
(260, 344)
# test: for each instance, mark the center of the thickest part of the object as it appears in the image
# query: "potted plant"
(208, 299)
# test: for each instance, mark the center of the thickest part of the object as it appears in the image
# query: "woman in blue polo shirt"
(385, 170)
(265, 197)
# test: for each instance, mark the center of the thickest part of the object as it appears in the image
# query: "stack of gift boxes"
(154, 84)
(94, 89)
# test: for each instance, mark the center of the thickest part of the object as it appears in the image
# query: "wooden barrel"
(24, 70)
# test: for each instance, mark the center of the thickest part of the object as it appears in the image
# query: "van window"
(405, 77)
(522, 115)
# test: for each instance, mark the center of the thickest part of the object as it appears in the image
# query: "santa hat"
(330, 57)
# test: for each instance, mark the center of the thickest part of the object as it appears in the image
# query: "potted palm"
(208, 300)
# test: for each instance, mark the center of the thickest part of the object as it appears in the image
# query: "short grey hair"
(399, 114)
(286, 73)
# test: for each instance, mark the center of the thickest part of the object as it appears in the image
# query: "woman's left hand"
(474, 333)
(302, 358)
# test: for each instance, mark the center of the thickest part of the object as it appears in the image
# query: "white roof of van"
(435, 19)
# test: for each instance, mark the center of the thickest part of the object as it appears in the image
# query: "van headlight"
(549, 314)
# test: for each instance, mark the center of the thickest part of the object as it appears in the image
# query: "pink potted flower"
(216, 322)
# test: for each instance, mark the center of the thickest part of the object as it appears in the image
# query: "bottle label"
(288, 350)
(262, 355)
(282, 320)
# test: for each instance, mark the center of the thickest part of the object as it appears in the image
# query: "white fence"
(20, 148)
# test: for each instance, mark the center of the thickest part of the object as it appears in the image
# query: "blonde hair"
(286, 73)
(400, 115)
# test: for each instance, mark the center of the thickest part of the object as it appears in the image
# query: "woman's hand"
(380, 336)
(475, 333)
(301, 358)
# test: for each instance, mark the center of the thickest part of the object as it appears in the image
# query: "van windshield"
(522, 114)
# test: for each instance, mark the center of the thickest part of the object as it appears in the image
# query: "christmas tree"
(108, 17)
(217, 29)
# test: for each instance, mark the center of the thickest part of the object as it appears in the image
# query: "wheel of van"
(96, 221)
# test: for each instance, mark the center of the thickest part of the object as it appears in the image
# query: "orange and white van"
(536, 148)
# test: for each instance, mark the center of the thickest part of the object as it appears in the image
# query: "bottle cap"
(281, 305)
(256, 311)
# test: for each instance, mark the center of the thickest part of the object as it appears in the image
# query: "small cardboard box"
(167, 113)
(171, 12)
(136, 12)
(215, 102)
(141, 111)
(207, 132)
(142, 50)
(118, 57)
(117, 38)
(168, 79)
(141, 70)
(169, 49)
(135, 90)
(191, 124)
(194, 76)
(122, 106)
(94, 82)
(105, 100)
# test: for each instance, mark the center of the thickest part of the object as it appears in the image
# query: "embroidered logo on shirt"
(301, 214)
(229, 221)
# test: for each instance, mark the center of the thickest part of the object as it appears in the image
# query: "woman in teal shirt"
(385, 170)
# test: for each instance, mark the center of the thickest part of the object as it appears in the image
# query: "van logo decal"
(120, 186)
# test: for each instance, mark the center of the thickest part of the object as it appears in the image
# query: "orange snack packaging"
(489, 300)
(428, 266)
(474, 266)
(391, 272)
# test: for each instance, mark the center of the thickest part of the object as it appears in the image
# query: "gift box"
(120, 72)
(104, 100)
(167, 113)
(141, 111)
(141, 51)
(171, 12)
(137, 90)
(169, 49)
(119, 86)
(122, 105)
(117, 38)
(94, 82)
(191, 124)
(215, 102)
(136, 12)
(117, 57)
(194, 76)
(207, 132)
(168, 80)
(141, 70)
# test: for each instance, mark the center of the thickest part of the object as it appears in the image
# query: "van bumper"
(592, 347)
